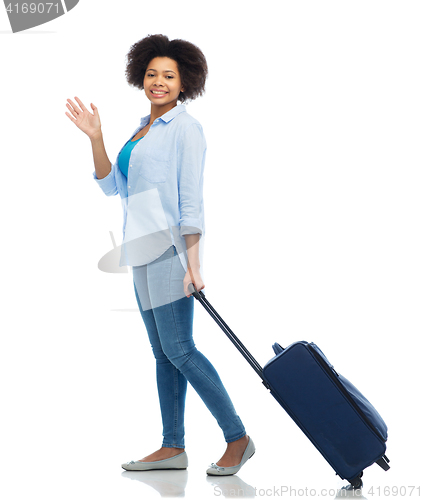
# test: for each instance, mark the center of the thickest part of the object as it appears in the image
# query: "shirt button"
(129, 186)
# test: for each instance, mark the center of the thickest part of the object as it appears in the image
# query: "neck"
(158, 111)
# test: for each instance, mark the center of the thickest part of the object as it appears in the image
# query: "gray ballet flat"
(216, 470)
(178, 462)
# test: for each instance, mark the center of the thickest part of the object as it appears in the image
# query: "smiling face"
(162, 83)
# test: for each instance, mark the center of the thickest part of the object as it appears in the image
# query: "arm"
(90, 124)
(102, 163)
(103, 174)
(192, 242)
(193, 266)
(191, 157)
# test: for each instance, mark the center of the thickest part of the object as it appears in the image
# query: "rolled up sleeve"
(108, 183)
(191, 162)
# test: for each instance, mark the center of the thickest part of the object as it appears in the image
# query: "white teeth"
(156, 92)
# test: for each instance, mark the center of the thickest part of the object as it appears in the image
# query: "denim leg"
(174, 321)
(171, 384)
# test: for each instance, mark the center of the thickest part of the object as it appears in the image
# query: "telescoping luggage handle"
(200, 296)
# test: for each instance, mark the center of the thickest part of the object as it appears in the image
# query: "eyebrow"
(166, 71)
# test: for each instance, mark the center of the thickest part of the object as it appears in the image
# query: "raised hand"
(87, 122)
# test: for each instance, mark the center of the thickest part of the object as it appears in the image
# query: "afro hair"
(190, 60)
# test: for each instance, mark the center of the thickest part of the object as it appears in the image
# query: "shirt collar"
(166, 117)
(170, 115)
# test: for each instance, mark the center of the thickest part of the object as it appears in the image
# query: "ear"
(182, 89)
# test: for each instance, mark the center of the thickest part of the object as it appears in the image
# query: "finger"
(71, 105)
(74, 113)
(81, 104)
(95, 111)
(70, 117)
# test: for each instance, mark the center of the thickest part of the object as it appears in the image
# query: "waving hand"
(86, 121)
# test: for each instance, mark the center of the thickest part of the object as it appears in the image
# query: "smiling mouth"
(158, 92)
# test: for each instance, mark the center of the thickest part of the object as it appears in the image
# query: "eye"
(169, 76)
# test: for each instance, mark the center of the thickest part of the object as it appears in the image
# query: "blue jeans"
(170, 330)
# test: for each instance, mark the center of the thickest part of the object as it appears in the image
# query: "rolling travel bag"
(342, 424)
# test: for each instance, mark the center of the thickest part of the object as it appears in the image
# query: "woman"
(159, 176)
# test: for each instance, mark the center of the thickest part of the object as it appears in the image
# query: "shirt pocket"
(156, 164)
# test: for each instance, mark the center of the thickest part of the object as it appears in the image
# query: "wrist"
(96, 136)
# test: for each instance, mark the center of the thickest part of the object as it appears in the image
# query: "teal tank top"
(124, 156)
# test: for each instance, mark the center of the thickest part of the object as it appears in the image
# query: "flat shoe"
(216, 470)
(178, 462)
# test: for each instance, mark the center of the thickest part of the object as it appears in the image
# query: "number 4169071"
(32, 8)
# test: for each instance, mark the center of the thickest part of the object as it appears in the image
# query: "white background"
(314, 207)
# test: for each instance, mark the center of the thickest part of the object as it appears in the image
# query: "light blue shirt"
(162, 198)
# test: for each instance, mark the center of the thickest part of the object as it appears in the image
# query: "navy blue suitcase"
(341, 423)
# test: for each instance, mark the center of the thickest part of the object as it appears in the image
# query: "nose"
(158, 81)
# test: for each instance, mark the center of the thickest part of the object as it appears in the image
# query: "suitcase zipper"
(334, 376)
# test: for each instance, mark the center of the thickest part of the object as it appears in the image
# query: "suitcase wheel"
(356, 483)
